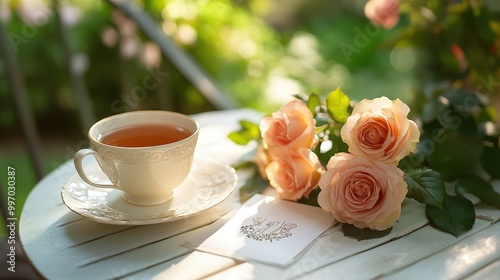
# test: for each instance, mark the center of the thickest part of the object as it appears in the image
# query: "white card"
(269, 230)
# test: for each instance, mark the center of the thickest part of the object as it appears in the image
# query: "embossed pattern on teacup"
(155, 155)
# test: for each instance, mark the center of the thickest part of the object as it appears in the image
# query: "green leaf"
(255, 184)
(313, 102)
(463, 100)
(412, 161)
(321, 128)
(363, 233)
(456, 215)
(490, 158)
(431, 110)
(244, 164)
(483, 190)
(249, 131)
(468, 106)
(312, 199)
(453, 154)
(337, 146)
(460, 121)
(337, 104)
(425, 186)
(490, 131)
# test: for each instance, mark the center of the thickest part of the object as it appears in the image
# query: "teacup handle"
(79, 156)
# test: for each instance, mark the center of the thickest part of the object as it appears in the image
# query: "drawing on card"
(271, 231)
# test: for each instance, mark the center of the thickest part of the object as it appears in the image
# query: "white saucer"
(208, 184)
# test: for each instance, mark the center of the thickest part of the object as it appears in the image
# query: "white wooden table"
(63, 245)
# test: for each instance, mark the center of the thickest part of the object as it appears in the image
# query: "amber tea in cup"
(145, 154)
(144, 135)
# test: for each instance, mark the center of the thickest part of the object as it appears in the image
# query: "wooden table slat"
(394, 255)
(462, 258)
(489, 272)
(127, 263)
(196, 265)
(247, 271)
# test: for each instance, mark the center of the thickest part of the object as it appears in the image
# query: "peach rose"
(262, 160)
(294, 173)
(292, 126)
(383, 12)
(361, 192)
(380, 130)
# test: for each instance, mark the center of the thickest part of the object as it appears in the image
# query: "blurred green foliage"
(458, 39)
(459, 99)
(258, 50)
(261, 52)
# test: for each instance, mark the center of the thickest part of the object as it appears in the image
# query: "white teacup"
(146, 174)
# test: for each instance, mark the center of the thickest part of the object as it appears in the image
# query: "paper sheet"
(269, 230)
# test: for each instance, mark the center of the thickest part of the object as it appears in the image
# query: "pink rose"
(383, 12)
(293, 126)
(361, 192)
(380, 130)
(293, 173)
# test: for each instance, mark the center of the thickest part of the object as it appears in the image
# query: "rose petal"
(362, 192)
(380, 130)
